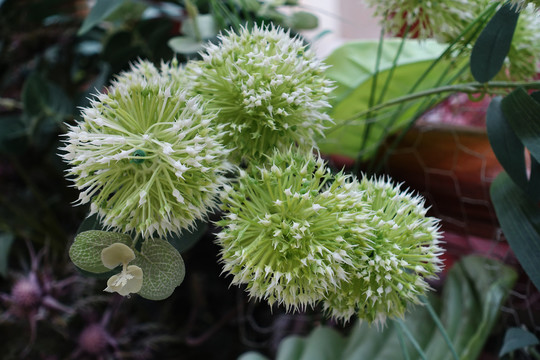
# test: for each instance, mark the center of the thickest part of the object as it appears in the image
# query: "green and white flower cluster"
(147, 157)
(154, 153)
(298, 235)
(268, 90)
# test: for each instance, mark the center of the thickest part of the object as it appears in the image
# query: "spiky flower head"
(269, 89)
(145, 155)
(287, 230)
(422, 19)
(404, 253)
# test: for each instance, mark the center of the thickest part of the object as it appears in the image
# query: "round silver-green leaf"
(85, 252)
(163, 269)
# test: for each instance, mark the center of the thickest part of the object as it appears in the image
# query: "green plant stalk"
(440, 326)
(402, 344)
(411, 338)
(193, 13)
(372, 94)
(480, 20)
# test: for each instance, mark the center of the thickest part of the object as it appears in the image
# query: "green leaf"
(352, 67)
(185, 45)
(13, 133)
(100, 11)
(505, 143)
(517, 338)
(303, 20)
(473, 294)
(252, 355)
(493, 44)
(523, 114)
(292, 347)
(519, 217)
(6, 240)
(85, 252)
(187, 240)
(163, 269)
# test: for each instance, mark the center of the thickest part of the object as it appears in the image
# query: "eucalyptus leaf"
(85, 252)
(206, 27)
(493, 43)
(6, 240)
(163, 269)
(185, 45)
(519, 217)
(475, 289)
(99, 12)
(517, 338)
(352, 67)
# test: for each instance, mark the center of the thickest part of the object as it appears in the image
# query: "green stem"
(402, 344)
(193, 13)
(411, 338)
(469, 88)
(440, 326)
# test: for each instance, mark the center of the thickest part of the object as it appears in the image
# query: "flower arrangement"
(235, 140)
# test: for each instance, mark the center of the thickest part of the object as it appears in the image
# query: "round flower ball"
(422, 19)
(269, 91)
(404, 252)
(287, 230)
(145, 155)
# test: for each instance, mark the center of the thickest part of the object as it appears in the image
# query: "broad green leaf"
(474, 291)
(6, 240)
(163, 269)
(292, 347)
(505, 143)
(324, 344)
(352, 67)
(186, 241)
(517, 338)
(493, 44)
(519, 217)
(99, 12)
(185, 45)
(523, 114)
(85, 252)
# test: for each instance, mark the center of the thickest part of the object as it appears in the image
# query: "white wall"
(346, 19)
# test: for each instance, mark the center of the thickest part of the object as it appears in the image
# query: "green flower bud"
(268, 89)
(144, 155)
(404, 251)
(281, 233)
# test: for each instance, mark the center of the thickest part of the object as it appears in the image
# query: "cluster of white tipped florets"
(404, 251)
(145, 155)
(269, 91)
(295, 234)
(521, 4)
(287, 232)
(422, 19)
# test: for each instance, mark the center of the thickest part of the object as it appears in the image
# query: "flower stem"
(411, 338)
(440, 326)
